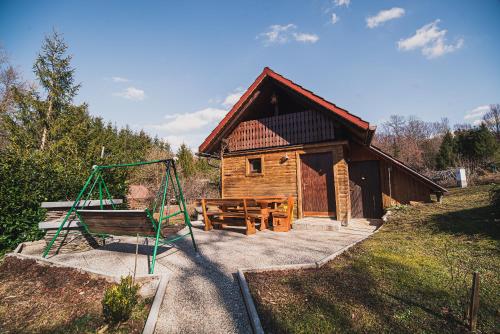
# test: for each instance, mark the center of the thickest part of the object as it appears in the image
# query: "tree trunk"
(46, 127)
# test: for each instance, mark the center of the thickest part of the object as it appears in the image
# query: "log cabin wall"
(403, 187)
(282, 176)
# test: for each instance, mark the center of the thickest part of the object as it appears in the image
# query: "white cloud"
(132, 93)
(476, 113)
(281, 34)
(431, 40)
(119, 79)
(439, 48)
(232, 98)
(192, 127)
(383, 16)
(278, 33)
(306, 38)
(334, 18)
(186, 122)
(340, 3)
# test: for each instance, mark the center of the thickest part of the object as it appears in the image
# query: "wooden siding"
(287, 129)
(342, 193)
(283, 177)
(278, 178)
(403, 186)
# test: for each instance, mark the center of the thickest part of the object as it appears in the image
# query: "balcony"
(282, 130)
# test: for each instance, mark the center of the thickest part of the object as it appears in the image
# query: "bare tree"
(462, 126)
(10, 79)
(492, 119)
(394, 128)
(411, 140)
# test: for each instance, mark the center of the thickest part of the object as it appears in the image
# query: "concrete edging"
(245, 289)
(161, 287)
(150, 324)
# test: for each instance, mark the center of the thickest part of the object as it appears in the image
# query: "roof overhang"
(213, 140)
(433, 185)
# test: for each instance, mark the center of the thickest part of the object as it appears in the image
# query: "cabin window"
(254, 166)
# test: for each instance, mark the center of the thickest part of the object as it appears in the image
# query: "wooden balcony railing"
(288, 129)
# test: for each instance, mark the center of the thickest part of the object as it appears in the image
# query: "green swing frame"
(96, 179)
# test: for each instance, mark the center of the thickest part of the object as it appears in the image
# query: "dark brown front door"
(318, 192)
(364, 182)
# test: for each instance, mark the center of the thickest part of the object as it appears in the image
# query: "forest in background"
(432, 147)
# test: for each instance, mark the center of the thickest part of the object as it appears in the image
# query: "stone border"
(245, 290)
(150, 325)
(161, 287)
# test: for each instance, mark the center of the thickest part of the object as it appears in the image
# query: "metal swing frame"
(97, 178)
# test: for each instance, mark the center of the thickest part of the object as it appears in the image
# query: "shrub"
(119, 300)
(24, 182)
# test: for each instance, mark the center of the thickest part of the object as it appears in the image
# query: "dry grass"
(412, 276)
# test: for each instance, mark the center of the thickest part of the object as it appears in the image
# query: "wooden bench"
(282, 219)
(220, 213)
(124, 222)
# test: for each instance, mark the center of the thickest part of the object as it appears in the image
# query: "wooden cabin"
(281, 139)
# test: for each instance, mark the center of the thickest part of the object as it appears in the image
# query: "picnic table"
(247, 212)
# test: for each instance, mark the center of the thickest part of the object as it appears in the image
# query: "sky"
(175, 68)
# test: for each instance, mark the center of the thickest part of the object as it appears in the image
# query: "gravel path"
(203, 295)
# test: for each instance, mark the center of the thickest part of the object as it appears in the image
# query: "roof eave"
(210, 143)
(422, 178)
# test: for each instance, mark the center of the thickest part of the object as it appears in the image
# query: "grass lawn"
(41, 299)
(413, 276)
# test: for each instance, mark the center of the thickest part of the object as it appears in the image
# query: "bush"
(119, 300)
(24, 183)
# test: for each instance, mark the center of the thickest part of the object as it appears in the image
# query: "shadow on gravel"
(226, 285)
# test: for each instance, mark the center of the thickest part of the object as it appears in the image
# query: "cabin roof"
(246, 99)
(213, 138)
(436, 187)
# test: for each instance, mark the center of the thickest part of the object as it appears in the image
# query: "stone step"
(316, 224)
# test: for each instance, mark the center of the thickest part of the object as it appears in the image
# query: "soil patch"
(36, 298)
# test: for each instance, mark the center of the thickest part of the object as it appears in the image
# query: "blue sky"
(174, 68)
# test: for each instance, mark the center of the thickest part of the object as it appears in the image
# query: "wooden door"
(318, 191)
(364, 183)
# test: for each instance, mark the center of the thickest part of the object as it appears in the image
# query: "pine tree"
(447, 155)
(477, 144)
(186, 160)
(55, 74)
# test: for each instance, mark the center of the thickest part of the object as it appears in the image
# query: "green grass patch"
(413, 276)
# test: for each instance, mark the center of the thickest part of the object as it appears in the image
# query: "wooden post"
(208, 225)
(136, 253)
(474, 302)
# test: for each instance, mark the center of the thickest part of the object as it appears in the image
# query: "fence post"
(474, 302)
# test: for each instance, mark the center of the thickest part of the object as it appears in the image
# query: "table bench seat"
(248, 212)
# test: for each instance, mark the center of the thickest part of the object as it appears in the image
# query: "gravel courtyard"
(203, 295)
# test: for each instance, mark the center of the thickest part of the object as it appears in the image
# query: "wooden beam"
(302, 147)
(299, 185)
